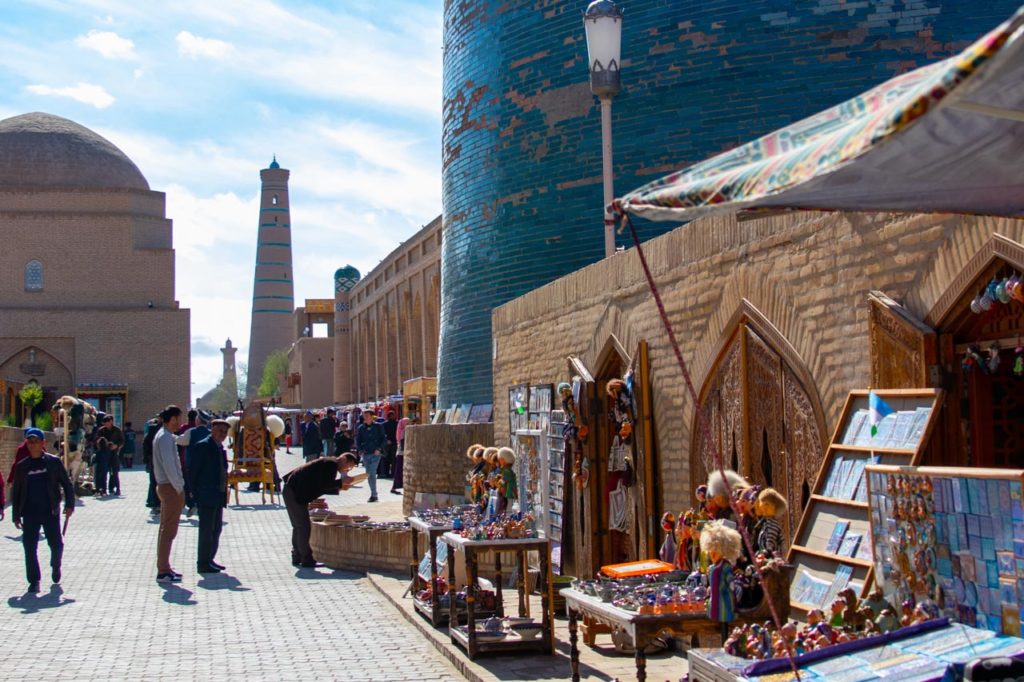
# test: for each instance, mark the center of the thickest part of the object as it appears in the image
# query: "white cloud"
(108, 44)
(86, 93)
(193, 46)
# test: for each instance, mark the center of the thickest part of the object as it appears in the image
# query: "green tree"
(31, 395)
(276, 366)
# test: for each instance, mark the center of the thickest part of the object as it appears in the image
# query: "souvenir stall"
(948, 567)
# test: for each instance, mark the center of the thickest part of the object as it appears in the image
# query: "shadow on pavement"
(254, 507)
(174, 594)
(33, 603)
(221, 581)
(335, 574)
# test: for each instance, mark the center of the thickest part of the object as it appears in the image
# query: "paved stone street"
(261, 620)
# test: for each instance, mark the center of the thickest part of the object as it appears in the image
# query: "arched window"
(33, 276)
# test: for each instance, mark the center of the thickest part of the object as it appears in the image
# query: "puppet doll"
(667, 553)
(476, 475)
(722, 545)
(769, 508)
(508, 488)
(720, 483)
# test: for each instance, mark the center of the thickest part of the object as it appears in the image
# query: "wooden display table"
(432, 609)
(642, 629)
(469, 549)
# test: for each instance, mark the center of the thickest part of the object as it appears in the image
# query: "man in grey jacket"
(170, 488)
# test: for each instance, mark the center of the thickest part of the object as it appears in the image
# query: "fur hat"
(474, 450)
(507, 455)
(491, 455)
(721, 538)
(717, 484)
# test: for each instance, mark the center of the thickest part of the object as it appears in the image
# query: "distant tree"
(275, 366)
(242, 374)
(31, 395)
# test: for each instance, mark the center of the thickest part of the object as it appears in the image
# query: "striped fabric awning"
(947, 137)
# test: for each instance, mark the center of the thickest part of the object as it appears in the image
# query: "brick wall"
(808, 273)
(521, 131)
(435, 458)
(10, 439)
(394, 319)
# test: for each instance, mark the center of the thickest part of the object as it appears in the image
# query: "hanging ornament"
(993, 358)
(976, 305)
(1018, 362)
(1001, 294)
(974, 359)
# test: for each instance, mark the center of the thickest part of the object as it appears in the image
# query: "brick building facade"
(521, 147)
(790, 293)
(87, 301)
(394, 319)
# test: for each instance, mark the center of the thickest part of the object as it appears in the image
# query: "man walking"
(152, 428)
(170, 488)
(311, 445)
(304, 484)
(207, 467)
(328, 425)
(109, 440)
(370, 445)
(390, 445)
(35, 503)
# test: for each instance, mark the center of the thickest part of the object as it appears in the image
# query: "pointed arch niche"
(761, 405)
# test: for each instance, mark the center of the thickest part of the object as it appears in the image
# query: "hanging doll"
(574, 433)
(667, 553)
(477, 475)
(769, 508)
(701, 493)
(508, 488)
(722, 545)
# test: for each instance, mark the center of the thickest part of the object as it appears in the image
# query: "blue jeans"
(370, 463)
(328, 446)
(102, 471)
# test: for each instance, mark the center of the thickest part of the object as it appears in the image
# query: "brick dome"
(43, 150)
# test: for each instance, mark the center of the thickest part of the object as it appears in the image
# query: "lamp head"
(602, 21)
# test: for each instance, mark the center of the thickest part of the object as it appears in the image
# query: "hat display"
(33, 432)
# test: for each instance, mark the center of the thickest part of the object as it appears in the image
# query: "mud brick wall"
(10, 439)
(521, 131)
(435, 458)
(807, 273)
(356, 548)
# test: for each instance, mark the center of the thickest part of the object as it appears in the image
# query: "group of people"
(188, 469)
(377, 443)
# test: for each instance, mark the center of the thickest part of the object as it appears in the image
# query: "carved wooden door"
(904, 352)
(720, 427)
(765, 464)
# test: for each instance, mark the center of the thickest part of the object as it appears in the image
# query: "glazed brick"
(521, 132)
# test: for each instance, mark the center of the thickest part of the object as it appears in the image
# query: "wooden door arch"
(758, 401)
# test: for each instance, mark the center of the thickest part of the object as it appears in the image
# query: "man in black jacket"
(35, 504)
(304, 484)
(312, 447)
(206, 467)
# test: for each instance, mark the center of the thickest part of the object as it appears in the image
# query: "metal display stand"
(469, 549)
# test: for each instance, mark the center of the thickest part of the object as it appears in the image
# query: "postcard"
(838, 531)
(1007, 566)
(1008, 590)
(851, 542)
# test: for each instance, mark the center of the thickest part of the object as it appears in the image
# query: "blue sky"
(201, 93)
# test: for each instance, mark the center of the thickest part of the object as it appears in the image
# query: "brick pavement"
(261, 620)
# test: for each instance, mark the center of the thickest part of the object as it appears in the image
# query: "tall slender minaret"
(229, 382)
(273, 292)
(344, 279)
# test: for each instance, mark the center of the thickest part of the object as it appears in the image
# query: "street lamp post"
(602, 21)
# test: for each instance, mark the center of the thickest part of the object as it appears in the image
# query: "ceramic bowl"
(527, 630)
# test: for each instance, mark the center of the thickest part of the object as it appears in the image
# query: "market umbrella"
(947, 137)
